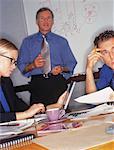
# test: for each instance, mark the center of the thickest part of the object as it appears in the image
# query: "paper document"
(98, 110)
(98, 97)
(101, 109)
(20, 124)
(25, 123)
(8, 130)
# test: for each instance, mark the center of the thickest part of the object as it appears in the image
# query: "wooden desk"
(92, 135)
(106, 144)
(26, 146)
(33, 146)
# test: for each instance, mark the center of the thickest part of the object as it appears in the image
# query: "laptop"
(68, 97)
(69, 94)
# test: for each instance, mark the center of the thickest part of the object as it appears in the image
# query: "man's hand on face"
(93, 58)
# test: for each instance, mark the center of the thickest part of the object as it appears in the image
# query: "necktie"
(3, 101)
(45, 52)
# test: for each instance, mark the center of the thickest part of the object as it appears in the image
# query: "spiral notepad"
(16, 139)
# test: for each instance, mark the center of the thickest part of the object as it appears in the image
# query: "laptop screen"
(69, 93)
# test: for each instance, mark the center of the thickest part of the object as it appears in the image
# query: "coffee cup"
(55, 114)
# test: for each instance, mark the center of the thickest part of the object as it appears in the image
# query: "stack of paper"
(7, 130)
(98, 97)
(98, 110)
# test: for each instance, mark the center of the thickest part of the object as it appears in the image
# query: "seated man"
(103, 51)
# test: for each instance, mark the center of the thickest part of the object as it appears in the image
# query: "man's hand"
(111, 96)
(93, 58)
(57, 70)
(39, 61)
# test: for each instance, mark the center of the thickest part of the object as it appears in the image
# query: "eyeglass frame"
(105, 52)
(11, 59)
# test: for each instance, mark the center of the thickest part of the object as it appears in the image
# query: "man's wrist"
(29, 67)
(65, 70)
(62, 69)
(33, 65)
(89, 71)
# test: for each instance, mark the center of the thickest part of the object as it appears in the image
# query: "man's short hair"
(44, 9)
(104, 36)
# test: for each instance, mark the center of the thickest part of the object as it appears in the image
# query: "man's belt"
(47, 75)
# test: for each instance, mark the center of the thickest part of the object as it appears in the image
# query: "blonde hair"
(6, 46)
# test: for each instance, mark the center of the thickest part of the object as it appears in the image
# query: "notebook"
(15, 139)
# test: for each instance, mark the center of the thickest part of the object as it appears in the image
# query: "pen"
(13, 124)
(98, 51)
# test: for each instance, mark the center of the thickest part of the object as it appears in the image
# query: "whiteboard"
(77, 20)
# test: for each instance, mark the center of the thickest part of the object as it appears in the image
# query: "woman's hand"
(63, 98)
(35, 108)
(55, 105)
(60, 101)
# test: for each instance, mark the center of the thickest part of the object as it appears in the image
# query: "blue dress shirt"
(60, 53)
(106, 78)
(4, 101)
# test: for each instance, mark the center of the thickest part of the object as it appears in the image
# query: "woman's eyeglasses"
(11, 59)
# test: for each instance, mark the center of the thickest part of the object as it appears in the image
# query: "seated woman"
(11, 107)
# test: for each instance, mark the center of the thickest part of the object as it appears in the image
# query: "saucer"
(57, 121)
(54, 126)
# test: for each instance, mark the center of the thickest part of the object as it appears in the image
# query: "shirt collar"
(48, 35)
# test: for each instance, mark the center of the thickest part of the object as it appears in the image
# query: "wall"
(12, 20)
(77, 20)
(13, 27)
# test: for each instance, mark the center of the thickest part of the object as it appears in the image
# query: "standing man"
(46, 87)
(103, 51)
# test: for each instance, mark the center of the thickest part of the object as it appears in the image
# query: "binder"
(16, 139)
